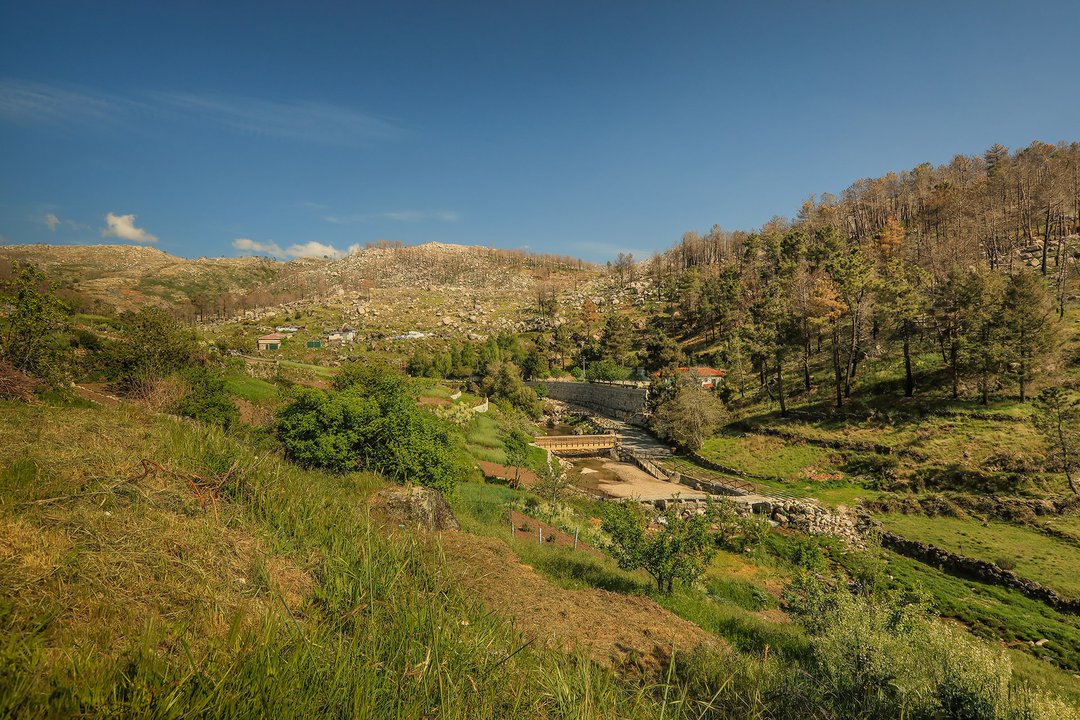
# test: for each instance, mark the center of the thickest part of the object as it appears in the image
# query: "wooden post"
(539, 534)
(576, 531)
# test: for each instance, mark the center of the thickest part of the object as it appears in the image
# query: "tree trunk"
(780, 387)
(851, 353)
(1023, 364)
(1066, 461)
(1046, 240)
(954, 370)
(806, 366)
(836, 366)
(909, 379)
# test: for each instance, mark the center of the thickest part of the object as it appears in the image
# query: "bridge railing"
(578, 442)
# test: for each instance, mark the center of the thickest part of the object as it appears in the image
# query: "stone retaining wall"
(618, 401)
(979, 570)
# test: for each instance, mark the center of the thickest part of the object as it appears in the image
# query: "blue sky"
(581, 128)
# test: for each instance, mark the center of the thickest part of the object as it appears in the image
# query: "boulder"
(415, 507)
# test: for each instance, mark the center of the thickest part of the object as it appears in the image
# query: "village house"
(271, 341)
(340, 337)
(708, 377)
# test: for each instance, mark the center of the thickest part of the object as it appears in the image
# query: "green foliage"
(886, 658)
(689, 416)
(151, 346)
(516, 446)
(32, 335)
(503, 383)
(1057, 416)
(607, 370)
(207, 399)
(673, 548)
(370, 422)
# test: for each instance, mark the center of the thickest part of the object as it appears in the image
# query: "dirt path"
(95, 392)
(630, 633)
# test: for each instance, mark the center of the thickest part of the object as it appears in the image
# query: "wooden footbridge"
(578, 444)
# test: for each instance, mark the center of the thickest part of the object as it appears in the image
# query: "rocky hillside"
(126, 276)
(129, 276)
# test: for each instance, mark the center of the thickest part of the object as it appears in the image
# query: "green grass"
(1037, 556)
(251, 389)
(995, 613)
(128, 597)
(764, 456)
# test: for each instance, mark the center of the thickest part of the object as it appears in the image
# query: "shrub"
(372, 423)
(151, 345)
(1005, 563)
(206, 399)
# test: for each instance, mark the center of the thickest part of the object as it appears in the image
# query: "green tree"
(503, 382)
(152, 344)
(516, 446)
(674, 548)
(902, 303)
(32, 334)
(534, 365)
(688, 416)
(616, 339)
(1029, 326)
(1057, 416)
(206, 399)
(371, 422)
(552, 480)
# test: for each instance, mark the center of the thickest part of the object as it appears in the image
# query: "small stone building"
(272, 341)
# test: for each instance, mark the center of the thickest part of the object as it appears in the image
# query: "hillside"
(126, 277)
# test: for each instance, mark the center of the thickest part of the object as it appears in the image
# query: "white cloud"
(296, 250)
(53, 221)
(123, 227)
(314, 249)
(249, 245)
(36, 104)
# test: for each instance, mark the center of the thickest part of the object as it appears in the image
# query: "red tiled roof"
(274, 336)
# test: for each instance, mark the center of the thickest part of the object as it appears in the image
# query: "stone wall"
(979, 570)
(815, 520)
(618, 401)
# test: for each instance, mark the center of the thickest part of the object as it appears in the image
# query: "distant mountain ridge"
(126, 277)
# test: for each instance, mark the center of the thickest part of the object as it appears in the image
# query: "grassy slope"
(1037, 556)
(123, 594)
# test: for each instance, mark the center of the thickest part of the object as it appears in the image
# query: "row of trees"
(895, 265)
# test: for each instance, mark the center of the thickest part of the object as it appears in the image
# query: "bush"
(206, 399)
(151, 345)
(1005, 563)
(370, 423)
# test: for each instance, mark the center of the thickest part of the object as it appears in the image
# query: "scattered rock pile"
(815, 520)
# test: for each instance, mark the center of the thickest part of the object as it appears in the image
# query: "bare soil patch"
(629, 633)
(624, 481)
(505, 472)
(527, 529)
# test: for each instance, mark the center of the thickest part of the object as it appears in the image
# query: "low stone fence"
(713, 487)
(815, 520)
(980, 570)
